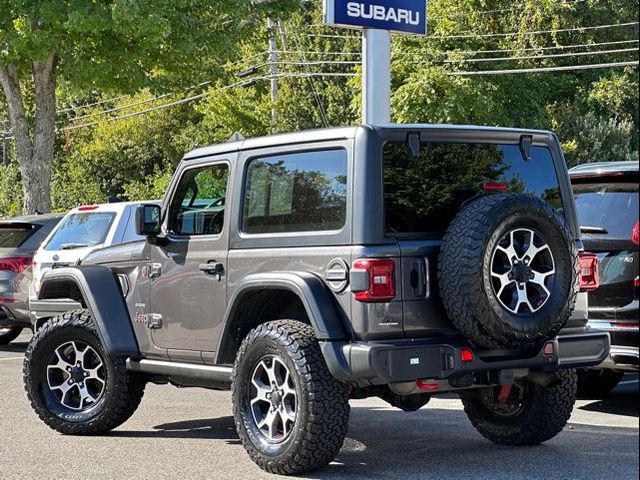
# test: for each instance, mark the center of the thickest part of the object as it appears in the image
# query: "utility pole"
(5, 142)
(273, 69)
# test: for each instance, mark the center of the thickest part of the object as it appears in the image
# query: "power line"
(137, 104)
(545, 69)
(493, 35)
(193, 98)
(474, 60)
(534, 32)
(316, 95)
(471, 52)
(538, 57)
(557, 47)
(307, 52)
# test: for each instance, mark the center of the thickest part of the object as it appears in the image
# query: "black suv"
(607, 203)
(306, 269)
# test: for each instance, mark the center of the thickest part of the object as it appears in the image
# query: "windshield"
(11, 237)
(611, 208)
(423, 193)
(81, 230)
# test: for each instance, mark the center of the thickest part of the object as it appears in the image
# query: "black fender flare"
(310, 289)
(101, 294)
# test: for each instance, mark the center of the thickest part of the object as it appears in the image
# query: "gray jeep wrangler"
(306, 269)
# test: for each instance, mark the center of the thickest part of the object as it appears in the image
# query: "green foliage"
(598, 139)
(10, 191)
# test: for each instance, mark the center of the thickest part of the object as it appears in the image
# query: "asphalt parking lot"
(189, 434)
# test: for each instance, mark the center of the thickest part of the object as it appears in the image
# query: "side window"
(130, 234)
(198, 204)
(302, 192)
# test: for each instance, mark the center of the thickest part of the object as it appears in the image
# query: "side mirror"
(148, 220)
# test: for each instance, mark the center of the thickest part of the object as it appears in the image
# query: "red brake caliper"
(503, 396)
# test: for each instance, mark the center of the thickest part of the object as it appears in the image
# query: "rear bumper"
(378, 363)
(625, 340)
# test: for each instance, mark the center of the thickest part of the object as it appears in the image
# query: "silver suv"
(307, 269)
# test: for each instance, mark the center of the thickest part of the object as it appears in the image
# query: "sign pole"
(376, 78)
(377, 18)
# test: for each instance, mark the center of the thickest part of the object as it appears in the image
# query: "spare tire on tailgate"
(508, 272)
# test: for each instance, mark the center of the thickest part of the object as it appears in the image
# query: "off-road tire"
(465, 278)
(597, 383)
(9, 335)
(323, 406)
(544, 416)
(122, 393)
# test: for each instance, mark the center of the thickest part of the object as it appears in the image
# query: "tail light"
(589, 280)
(635, 233)
(381, 285)
(15, 264)
(495, 186)
(88, 208)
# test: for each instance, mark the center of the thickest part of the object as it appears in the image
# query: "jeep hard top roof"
(604, 168)
(345, 133)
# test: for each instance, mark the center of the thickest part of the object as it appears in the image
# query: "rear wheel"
(290, 413)
(527, 414)
(597, 383)
(9, 334)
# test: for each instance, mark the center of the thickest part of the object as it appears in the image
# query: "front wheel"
(290, 413)
(529, 415)
(73, 384)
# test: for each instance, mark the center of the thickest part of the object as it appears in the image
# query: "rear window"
(612, 207)
(81, 230)
(13, 237)
(424, 193)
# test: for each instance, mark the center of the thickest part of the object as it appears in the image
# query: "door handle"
(212, 268)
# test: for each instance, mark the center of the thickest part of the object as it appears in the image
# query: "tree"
(109, 46)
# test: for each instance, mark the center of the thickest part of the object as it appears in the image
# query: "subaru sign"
(407, 16)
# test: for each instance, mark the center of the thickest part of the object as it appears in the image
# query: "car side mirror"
(148, 220)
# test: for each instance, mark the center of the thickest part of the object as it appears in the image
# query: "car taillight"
(635, 233)
(15, 264)
(589, 280)
(381, 284)
(88, 208)
(495, 186)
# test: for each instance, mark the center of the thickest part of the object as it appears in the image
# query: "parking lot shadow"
(622, 401)
(221, 428)
(15, 347)
(440, 443)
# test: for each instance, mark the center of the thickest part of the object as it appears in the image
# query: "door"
(187, 267)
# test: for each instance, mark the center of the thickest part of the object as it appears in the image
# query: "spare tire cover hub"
(522, 271)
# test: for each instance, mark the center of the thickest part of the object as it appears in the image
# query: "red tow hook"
(503, 396)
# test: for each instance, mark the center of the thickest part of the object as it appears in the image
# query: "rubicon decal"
(409, 16)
